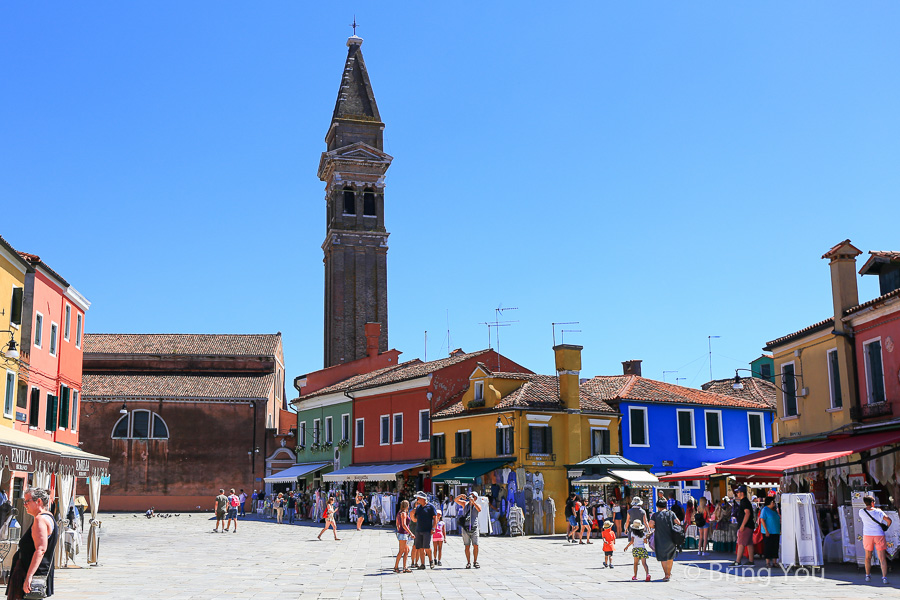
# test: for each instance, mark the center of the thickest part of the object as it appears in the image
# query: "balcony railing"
(872, 410)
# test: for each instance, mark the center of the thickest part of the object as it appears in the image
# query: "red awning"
(774, 461)
(691, 474)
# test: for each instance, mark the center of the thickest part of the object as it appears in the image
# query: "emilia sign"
(20, 460)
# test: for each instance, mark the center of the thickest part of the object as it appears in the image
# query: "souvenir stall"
(383, 487)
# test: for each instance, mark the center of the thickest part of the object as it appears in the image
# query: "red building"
(876, 332)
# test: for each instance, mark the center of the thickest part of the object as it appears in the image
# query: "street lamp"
(11, 351)
(738, 382)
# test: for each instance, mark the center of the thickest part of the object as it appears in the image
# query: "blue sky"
(658, 172)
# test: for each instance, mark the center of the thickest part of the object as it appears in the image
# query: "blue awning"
(291, 474)
(387, 472)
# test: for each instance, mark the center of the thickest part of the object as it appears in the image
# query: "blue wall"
(662, 430)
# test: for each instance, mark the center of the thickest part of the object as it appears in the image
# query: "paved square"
(181, 559)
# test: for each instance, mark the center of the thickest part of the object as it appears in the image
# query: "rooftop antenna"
(562, 323)
(491, 324)
(563, 333)
(448, 333)
(677, 379)
(497, 313)
(664, 375)
(426, 331)
(354, 25)
(709, 340)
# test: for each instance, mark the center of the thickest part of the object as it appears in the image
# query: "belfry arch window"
(141, 425)
(349, 201)
(369, 203)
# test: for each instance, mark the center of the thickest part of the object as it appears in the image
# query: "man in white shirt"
(873, 535)
(242, 497)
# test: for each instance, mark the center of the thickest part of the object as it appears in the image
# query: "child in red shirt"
(609, 544)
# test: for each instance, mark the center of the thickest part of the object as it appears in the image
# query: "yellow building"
(535, 424)
(12, 289)
(814, 367)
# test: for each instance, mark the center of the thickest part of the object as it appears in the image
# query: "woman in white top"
(874, 523)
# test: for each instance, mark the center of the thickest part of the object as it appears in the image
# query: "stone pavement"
(181, 559)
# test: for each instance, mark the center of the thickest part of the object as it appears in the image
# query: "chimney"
(373, 331)
(844, 293)
(568, 368)
(631, 367)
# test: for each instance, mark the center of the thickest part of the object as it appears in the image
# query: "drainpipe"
(253, 447)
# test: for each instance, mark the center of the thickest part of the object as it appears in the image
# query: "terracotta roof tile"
(878, 258)
(265, 344)
(613, 389)
(873, 301)
(826, 324)
(206, 387)
(755, 389)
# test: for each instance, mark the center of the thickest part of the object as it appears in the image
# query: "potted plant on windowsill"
(344, 443)
(315, 447)
(327, 445)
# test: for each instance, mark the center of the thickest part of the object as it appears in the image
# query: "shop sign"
(82, 467)
(453, 482)
(668, 463)
(538, 464)
(20, 460)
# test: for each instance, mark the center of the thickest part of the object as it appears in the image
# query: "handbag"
(757, 533)
(880, 524)
(38, 588)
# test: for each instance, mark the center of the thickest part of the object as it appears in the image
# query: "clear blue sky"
(659, 172)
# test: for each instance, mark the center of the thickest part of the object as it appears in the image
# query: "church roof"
(165, 385)
(355, 100)
(192, 344)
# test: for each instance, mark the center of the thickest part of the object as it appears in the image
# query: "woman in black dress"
(36, 548)
(662, 523)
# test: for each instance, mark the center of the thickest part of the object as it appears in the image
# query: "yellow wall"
(815, 415)
(567, 448)
(12, 274)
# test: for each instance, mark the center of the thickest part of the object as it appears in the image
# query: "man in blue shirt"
(425, 518)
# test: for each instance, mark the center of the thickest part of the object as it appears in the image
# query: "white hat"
(636, 501)
(421, 495)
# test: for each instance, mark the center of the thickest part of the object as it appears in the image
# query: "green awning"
(467, 472)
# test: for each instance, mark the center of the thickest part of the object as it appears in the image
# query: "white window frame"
(690, 411)
(783, 399)
(317, 431)
(54, 339)
(38, 330)
(79, 326)
(131, 424)
(301, 437)
(869, 367)
(762, 431)
(718, 414)
(329, 430)
(67, 323)
(425, 436)
(151, 426)
(394, 439)
(381, 441)
(642, 409)
(479, 390)
(692, 484)
(345, 427)
(9, 393)
(591, 439)
(830, 371)
(74, 409)
(359, 440)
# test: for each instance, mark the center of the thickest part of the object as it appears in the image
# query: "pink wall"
(887, 328)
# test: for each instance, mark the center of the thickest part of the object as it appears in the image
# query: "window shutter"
(52, 402)
(35, 408)
(548, 440)
(64, 407)
(15, 315)
(530, 440)
(877, 373)
(500, 442)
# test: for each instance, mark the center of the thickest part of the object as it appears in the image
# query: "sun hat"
(638, 525)
(421, 495)
(473, 495)
(636, 501)
(439, 511)
(607, 525)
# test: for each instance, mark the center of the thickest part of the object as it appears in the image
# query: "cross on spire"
(354, 25)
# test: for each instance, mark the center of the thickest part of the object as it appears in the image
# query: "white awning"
(594, 480)
(386, 472)
(291, 474)
(636, 476)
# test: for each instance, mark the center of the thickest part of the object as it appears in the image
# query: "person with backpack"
(232, 510)
(468, 525)
(668, 536)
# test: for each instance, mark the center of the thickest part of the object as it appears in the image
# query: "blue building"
(675, 428)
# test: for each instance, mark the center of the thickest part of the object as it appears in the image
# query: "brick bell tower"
(355, 246)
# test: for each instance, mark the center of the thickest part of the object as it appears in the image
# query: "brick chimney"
(631, 367)
(568, 368)
(373, 331)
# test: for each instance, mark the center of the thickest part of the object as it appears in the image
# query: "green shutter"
(64, 407)
(15, 315)
(52, 402)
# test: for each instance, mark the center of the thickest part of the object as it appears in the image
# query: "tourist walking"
(638, 551)
(220, 506)
(360, 509)
(584, 520)
(32, 563)
(609, 544)
(636, 514)
(746, 524)
(770, 526)
(425, 518)
(570, 517)
(242, 497)
(468, 526)
(875, 523)
(437, 538)
(663, 524)
(291, 507)
(278, 504)
(403, 536)
(701, 520)
(232, 510)
(619, 509)
(329, 519)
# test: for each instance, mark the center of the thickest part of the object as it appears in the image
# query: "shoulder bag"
(880, 524)
(38, 588)
(677, 530)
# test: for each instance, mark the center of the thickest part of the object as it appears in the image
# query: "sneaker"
(476, 565)
(868, 578)
(884, 580)
(610, 566)
(634, 578)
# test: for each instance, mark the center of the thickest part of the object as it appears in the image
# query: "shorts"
(704, 526)
(572, 521)
(640, 553)
(608, 553)
(872, 543)
(220, 514)
(232, 513)
(470, 538)
(403, 537)
(423, 540)
(745, 537)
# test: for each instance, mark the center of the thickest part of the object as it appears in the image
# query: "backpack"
(233, 501)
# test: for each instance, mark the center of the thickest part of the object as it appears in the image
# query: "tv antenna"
(563, 333)
(498, 312)
(561, 323)
(664, 375)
